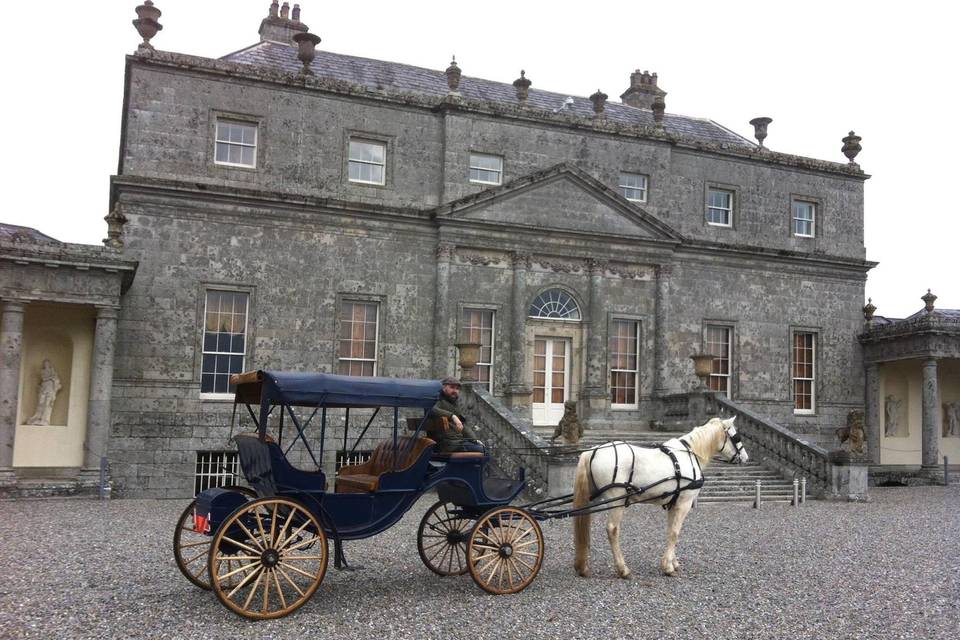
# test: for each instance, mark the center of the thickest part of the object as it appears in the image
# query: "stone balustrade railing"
(511, 439)
(781, 447)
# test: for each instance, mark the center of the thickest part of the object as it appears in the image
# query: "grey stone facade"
(299, 237)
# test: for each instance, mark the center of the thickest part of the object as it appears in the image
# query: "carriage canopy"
(329, 390)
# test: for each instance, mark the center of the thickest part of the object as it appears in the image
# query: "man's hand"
(457, 424)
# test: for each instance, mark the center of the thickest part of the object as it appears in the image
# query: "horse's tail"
(581, 523)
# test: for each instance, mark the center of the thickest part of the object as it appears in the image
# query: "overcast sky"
(819, 69)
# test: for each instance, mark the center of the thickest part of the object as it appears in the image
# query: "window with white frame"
(804, 371)
(720, 207)
(477, 326)
(624, 347)
(486, 169)
(804, 218)
(368, 162)
(236, 143)
(224, 339)
(357, 352)
(633, 186)
(717, 340)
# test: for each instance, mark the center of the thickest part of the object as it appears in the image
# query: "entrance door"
(551, 379)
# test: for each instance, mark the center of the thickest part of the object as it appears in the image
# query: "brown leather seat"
(365, 477)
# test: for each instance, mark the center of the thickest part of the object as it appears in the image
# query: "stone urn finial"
(306, 50)
(599, 100)
(469, 355)
(147, 25)
(760, 128)
(522, 85)
(868, 310)
(928, 301)
(453, 75)
(658, 107)
(702, 367)
(851, 147)
(115, 221)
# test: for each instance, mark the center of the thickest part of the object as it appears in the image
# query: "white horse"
(606, 471)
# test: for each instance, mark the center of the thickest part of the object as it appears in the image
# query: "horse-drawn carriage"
(264, 550)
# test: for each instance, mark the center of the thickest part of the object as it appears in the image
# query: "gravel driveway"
(886, 569)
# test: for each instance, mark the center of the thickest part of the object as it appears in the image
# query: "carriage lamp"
(702, 367)
(469, 355)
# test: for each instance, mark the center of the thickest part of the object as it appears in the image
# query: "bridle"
(737, 457)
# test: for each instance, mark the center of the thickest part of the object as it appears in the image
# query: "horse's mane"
(704, 440)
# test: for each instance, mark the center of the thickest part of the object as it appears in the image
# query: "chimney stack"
(643, 90)
(279, 27)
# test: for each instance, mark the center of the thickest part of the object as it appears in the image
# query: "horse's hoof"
(626, 575)
(583, 572)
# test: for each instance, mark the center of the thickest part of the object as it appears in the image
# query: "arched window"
(555, 304)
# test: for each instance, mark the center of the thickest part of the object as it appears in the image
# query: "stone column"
(930, 434)
(101, 385)
(594, 388)
(660, 336)
(441, 313)
(871, 405)
(518, 392)
(11, 345)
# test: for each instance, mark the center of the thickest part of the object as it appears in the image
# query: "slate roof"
(377, 74)
(953, 314)
(16, 233)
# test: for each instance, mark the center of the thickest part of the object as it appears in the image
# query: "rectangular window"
(224, 339)
(236, 143)
(358, 339)
(368, 162)
(485, 169)
(720, 207)
(215, 469)
(804, 372)
(717, 343)
(804, 219)
(624, 360)
(477, 326)
(634, 186)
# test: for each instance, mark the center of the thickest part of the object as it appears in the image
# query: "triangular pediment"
(562, 198)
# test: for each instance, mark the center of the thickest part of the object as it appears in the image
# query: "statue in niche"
(892, 413)
(47, 395)
(951, 419)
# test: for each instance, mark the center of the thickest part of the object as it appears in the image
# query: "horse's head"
(732, 449)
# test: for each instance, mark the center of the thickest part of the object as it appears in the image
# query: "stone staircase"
(722, 482)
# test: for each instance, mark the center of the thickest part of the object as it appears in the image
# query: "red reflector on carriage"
(201, 523)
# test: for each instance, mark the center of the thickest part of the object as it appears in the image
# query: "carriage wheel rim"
(442, 540)
(505, 551)
(191, 549)
(280, 560)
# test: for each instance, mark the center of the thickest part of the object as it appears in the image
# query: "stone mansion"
(287, 207)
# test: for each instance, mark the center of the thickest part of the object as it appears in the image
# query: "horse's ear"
(729, 421)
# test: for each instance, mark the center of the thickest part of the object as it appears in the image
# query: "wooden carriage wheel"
(191, 548)
(278, 550)
(505, 551)
(442, 540)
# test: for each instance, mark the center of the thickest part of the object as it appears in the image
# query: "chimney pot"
(643, 90)
(274, 9)
(296, 13)
(285, 10)
(280, 28)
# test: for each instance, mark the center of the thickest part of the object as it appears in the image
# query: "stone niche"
(901, 444)
(62, 334)
(948, 371)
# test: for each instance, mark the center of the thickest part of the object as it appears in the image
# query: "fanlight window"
(555, 304)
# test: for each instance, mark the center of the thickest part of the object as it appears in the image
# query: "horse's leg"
(614, 519)
(675, 516)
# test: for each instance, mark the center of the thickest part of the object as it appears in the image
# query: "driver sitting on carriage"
(446, 424)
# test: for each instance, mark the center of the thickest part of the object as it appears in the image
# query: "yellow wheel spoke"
(196, 557)
(187, 545)
(263, 533)
(283, 530)
(244, 582)
(273, 527)
(253, 590)
(294, 535)
(235, 571)
(526, 544)
(300, 545)
(292, 583)
(276, 582)
(523, 562)
(249, 535)
(266, 591)
(293, 568)
(289, 558)
(245, 547)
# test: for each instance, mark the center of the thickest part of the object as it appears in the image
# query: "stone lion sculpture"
(853, 432)
(569, 426)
